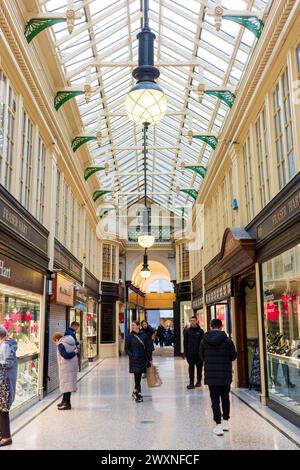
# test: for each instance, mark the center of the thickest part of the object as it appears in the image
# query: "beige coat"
(67, 368)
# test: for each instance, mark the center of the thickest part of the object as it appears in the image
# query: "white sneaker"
(218, 430)
(225, 425)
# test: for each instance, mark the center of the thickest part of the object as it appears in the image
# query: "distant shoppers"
(138, 348)
(149, 331)
(218, 352)
(67, 367)
(8, 380)
(161, 335)
(192, 339)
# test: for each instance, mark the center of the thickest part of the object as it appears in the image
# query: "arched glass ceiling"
(185, 34)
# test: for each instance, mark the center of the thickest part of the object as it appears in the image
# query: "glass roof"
(103, 45)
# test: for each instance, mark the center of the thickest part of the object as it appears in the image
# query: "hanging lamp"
(145, 272)
(146, 101)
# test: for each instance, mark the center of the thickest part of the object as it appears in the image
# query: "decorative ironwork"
(225, 95)
(36, 25)
(100, 193)
(103, 212)
(62, 97)
(200, 170)
(211, 140)
(252, 23)
(89, 171)
(80, 140)
(191, 192)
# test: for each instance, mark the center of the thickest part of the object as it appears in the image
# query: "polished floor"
(105, 417)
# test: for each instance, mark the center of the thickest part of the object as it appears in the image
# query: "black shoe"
(65, 406)
(6, 442)
(190, 387)
(198, 384)
(139, 398)
(291, 385)
(62, 403)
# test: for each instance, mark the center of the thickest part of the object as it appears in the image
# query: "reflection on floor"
(165, 351)
(171, 417)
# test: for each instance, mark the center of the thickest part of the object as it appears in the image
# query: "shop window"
(66, 214)
(7, 131)
(20, 315)
(26, 161)
(72, 222)
(248, 178)
(184, 262)
(281, 283)
(109, 260)
(285, 153)
(41, 174)
(262, 152)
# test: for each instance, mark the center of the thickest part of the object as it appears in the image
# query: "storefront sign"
(64, 259)
(219, 293)
(4, 270)
(279, 216)
(197, 303)
(63, 291)
(21, 226)
(15, 274)
(82, 295)
(91, 283)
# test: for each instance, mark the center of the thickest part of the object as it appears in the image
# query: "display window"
(281, 284)
(221, 311)
(20, 313)
(201, 318)
(186, 312)
(90, 328)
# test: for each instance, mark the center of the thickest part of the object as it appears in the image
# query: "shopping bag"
(153, 378)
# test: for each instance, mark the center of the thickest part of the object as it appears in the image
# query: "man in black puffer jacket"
(192, 339)
(218, 352)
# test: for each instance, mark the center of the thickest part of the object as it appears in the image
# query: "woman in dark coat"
(146, 328)
(138, 348)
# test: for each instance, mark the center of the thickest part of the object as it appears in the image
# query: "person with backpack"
(217, 352)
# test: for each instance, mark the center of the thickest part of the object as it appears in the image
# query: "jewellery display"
(27, 381)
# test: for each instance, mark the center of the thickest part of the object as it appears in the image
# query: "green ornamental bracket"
(200, 170)
(89, 171)
(80, 140)
(103, 212)
(36, 25)
(98, 194)
(62, 97)
(252, 23)
(226, 96)
(191, 192)
(211, 140)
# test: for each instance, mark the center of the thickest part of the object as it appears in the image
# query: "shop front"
(277, 229)
(79, 314)
(198, 301)
(218, 291)
(23, 266)
(91, 320)
(109, 318)
(182, 313)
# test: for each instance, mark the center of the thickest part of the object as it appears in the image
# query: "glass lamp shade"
(146, 241)
(146, 103)
(145, 273)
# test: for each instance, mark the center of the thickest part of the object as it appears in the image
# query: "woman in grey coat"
(67, 369)
(8, 380)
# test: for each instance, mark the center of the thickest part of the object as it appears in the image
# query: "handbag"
(4, 392)
(153, 378)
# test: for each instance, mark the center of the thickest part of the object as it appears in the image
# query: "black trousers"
(67, 398)
(137, 381)
(217, 393)
(4, 424)
(195, 361)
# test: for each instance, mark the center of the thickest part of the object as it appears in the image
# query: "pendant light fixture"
(145, 272)
(146, 101)
(145, 240)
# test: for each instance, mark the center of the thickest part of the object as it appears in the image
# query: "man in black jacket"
(218, 352)
(192, 339)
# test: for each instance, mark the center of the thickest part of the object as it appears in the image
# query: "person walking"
(67, 368)
(8, 380)
(192, 339)
(161, 335)
(217, 351)
(138, 348)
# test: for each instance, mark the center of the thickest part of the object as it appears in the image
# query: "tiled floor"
(105, 417)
